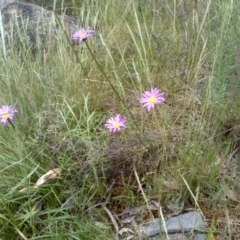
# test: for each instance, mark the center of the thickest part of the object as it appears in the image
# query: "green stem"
(113, 88)
(163, 122)
(11, 123)
(71, 45)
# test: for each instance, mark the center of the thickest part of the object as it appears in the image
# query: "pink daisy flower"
(82, 35)
(150, 98)
(7, 113)
(115, 124)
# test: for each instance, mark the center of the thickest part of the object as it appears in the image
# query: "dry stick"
(140, 186)
(163, 222)
(114, 222)
(20, 233)
(145, 198)
(195, 200)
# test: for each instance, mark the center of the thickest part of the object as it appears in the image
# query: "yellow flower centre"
(83, 35)
(5, 115)
(152, 99)
(116, 125)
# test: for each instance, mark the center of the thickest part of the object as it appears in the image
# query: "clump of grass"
(66, 97)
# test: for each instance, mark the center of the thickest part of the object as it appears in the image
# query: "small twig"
(164, 222)
(114, 222)
(140, 187)
(96, 205)
(195, 200)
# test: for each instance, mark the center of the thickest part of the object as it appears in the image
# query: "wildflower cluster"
(114, 124)
(149, 98)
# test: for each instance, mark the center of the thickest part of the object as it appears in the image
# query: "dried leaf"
(44, 178)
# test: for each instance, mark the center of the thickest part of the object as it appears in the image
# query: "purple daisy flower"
(115, 124)
(150, 98)
(82, 35)
(7, 113)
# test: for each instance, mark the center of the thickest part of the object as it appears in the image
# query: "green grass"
(181, 151)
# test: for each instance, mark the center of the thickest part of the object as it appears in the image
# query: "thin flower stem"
(113, 88)
(100, 68)
(71, 45)
(162, 121)
(11, 123)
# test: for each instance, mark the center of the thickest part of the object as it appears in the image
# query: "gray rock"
(31, 24)
(4, 2)
(180, 227)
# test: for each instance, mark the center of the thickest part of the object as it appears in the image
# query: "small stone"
(4, 2)
(180, 227)
(25, 23)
